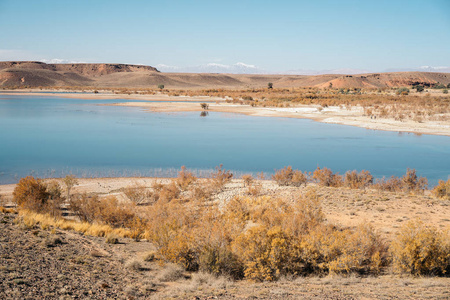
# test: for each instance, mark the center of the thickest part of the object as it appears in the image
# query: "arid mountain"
(35, 74)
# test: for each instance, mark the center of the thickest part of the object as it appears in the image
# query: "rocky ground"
(53, 264)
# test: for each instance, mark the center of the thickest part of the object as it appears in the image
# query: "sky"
(274, 36)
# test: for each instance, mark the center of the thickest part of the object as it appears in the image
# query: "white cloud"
(59, 61)
(237, 68)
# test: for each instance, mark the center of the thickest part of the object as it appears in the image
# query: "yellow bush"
(264, 252)
(326, 177)
(355, 180)
(31, 194)
(442, 190)
(288, 176)
(185, 178)
(420, 250)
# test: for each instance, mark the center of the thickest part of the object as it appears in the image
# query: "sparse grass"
(171, 272)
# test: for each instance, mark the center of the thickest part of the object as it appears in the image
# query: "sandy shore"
(333, 114)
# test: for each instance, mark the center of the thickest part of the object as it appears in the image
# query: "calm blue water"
(49, 136)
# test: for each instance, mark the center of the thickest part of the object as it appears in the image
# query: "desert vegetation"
(253, 236)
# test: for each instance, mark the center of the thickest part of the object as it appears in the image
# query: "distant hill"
(39, 74)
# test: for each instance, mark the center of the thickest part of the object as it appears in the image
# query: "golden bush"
(442, 190)
(355, 180)
(421, 250)
(326, 177)
(33, 194)
(287, 176)
(107, 211)
(185, 178)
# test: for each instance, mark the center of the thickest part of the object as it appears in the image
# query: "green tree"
(270, 85)
(419, 88)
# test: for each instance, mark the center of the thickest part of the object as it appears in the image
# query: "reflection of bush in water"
(204, 114)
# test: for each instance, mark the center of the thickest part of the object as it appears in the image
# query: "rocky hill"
(39, 74)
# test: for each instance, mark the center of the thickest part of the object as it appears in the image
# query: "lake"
(51, 137)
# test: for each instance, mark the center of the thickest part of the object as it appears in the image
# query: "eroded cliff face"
(83, 69)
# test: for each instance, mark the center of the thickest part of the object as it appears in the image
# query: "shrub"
(107, 211)
(171, 272)
(419, 88)
(287, 176)
(220, 177)
(134, 265)
(442, 190)
(31, 194)
(160, 86)
(419, 250)
(165, 192)
(445, 91)
(393, 184)
(204, 106)
(411, 182)
(325, 177)
(185, 178)
(112, 239)
(55, 199)
(137, 193)
(265, 252)
(403, 91)
(70, 181)
(247, 179)
(270, 85)
(355, 180)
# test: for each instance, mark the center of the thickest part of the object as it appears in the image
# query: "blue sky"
(275, 36)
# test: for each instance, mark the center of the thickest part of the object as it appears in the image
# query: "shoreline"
(332, 115)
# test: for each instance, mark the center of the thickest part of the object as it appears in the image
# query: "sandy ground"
(332, 114)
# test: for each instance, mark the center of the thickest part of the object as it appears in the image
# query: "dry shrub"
(34, 195)
(112, 239)
(442, 190)
(325, 177)
(201, 193)
(410, 182)
(360, 250)
(107, 211)
(31, 194)
(165, 192)
(171, 272)
(393, 184)
(133, 264)
(247, 179)
(220, 177)
(185, 179)
(55, 199)
(413, 183)
(254, 190)
(287, 176)
(137, 193)
(421, 250)
(355, 180)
